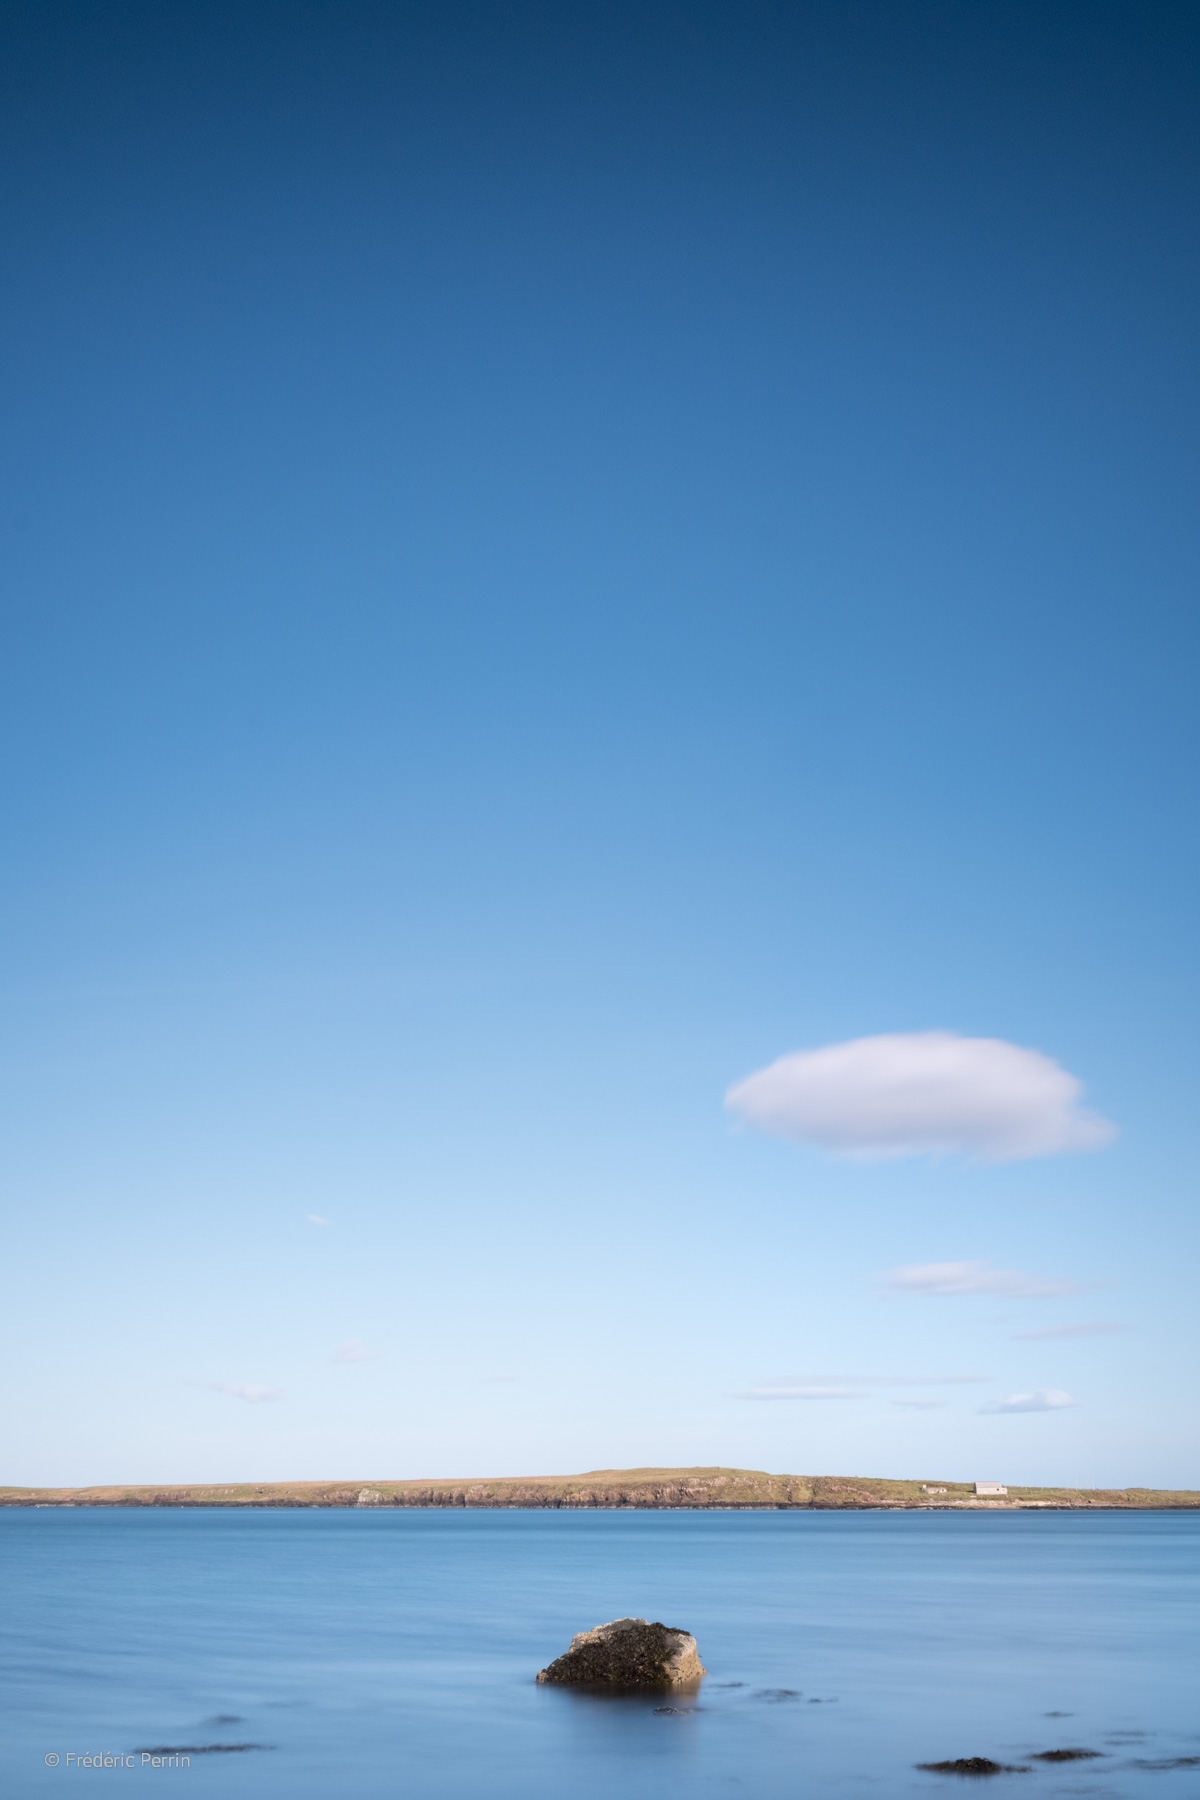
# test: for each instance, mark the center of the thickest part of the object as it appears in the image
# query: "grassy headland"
(661, 1489)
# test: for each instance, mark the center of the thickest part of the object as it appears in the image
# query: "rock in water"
(970, 1765)
(629, 1653)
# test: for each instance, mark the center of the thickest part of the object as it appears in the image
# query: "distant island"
(663, 1490)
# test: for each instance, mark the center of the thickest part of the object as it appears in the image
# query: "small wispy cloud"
(922, 1093)
(946, 1278)
(1084, 1329)
(917, 1380)
(782, 1391)
(1040, 1400)
(502, 1378)
(316, 1219)
(921, 1405)
(240, 1391)
(354, 1351)
(849, 1387)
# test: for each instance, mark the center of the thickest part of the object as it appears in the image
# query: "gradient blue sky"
(554, 554)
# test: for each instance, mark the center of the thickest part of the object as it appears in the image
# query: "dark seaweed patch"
(1056, 1756)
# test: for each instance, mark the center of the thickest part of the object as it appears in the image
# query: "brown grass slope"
(659, 1489)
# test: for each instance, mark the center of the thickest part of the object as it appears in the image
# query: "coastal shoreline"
(614, 1490)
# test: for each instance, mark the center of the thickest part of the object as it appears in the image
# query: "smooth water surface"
(391, 1653)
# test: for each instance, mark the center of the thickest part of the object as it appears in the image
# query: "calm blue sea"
(392, 1654)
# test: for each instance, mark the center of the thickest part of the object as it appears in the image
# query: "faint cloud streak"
(801, 1392)
(949, 1278)
(1084, 1329)
(354, 1351)
(1040, 1400)
(254, 1396)
(849, 1387)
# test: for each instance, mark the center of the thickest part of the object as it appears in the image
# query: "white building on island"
(990, 1487)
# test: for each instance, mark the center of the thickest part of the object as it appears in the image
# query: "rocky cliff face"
(633, 1653)
(660, 1490)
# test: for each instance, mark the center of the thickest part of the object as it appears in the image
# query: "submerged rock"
(1065, 1755)
(629, 1653)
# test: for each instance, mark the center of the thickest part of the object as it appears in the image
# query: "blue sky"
(555, 556)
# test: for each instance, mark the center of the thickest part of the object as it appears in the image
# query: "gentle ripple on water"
(390, 1653)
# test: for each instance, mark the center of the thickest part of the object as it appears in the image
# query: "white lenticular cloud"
(316, 1219)
(1040, 1400)
(921, 1093)
(354, 1351)
(948, 1278)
